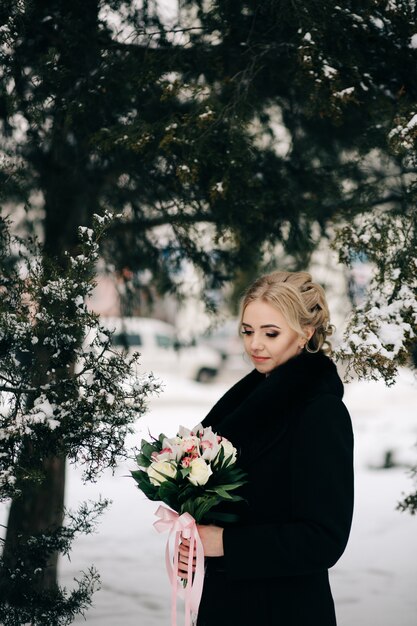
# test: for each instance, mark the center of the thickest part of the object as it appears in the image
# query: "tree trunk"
(38, 509)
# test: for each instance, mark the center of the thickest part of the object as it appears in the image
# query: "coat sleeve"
(322, 503)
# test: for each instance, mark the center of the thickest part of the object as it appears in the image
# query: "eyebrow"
(263, 325)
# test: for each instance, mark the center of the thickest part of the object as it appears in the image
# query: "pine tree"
(65, 393)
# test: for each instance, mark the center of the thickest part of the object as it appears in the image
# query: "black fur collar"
(263, 404)
(305, 376)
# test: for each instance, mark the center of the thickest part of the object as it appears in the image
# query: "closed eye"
(245, 331)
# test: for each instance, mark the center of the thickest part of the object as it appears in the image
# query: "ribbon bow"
(182, 525)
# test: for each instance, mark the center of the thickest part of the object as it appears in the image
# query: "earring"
(308, 349)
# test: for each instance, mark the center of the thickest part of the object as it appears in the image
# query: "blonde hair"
(302, 303)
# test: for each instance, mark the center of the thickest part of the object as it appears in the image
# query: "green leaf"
(198, 507)
(227, 460)
(185, 471)
(222, 493)
(227, 475)
(237, 498)
(146, 451)
(168, 493)
(218, 460)
(145, 485)
(229, 487)
(137, 475)
(142, 460)
(188, 491)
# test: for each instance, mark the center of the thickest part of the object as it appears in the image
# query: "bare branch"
(19, 390)
(178, 219)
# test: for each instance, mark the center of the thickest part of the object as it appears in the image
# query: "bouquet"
(191, 473)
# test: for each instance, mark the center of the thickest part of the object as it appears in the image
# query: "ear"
(306, 336)
(309, 332)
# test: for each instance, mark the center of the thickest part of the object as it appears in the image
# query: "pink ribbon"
(182, 525)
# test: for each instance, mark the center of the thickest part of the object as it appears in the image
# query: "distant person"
(294, 435)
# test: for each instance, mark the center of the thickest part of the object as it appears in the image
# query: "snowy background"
(375, 580)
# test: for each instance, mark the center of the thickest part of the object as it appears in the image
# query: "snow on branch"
(403, 136)
(382, 329)
(63, 388)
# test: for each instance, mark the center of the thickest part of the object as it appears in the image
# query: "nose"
(256, 343)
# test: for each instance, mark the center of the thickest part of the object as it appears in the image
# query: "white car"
(159, 348)
(227, 340)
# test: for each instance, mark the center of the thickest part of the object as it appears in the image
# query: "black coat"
(295, 440)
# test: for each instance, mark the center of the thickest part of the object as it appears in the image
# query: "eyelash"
(250, 332)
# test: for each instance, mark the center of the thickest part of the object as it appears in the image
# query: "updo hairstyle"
(302, 303)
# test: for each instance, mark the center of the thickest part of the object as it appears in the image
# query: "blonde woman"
(295, 440)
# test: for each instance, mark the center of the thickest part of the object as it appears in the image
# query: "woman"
(295, 441)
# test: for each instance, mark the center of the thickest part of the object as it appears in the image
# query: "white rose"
(229, 451)
(159, 471)
(200, 472)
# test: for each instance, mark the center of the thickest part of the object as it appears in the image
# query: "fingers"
(183, 570)
(184, 549)
(183, 558)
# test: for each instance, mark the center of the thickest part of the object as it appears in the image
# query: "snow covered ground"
(375, 580)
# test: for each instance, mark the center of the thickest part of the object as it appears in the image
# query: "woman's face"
(269, 341)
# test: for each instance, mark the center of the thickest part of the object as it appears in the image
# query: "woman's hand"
(212, 540)
(183, 556)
